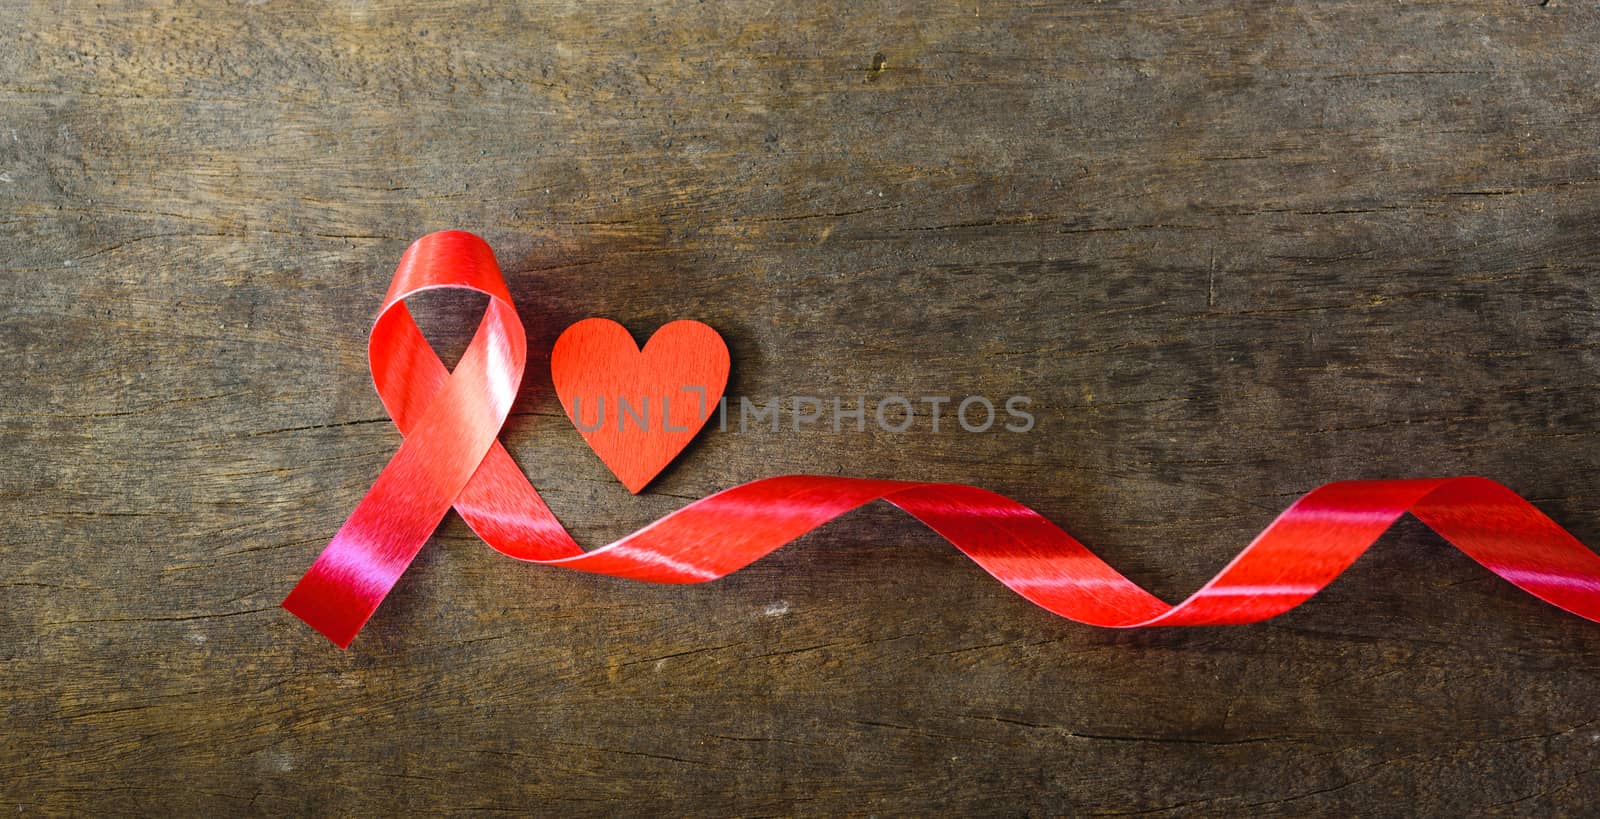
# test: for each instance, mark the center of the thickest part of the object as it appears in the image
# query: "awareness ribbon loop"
(450, 458)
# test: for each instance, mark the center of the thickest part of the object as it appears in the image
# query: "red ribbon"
(451, 458)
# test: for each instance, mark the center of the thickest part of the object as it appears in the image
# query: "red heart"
(639, 408)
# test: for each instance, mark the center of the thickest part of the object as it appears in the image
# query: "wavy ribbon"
(450, 458)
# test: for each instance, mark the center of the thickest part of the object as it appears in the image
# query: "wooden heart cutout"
(639, 408)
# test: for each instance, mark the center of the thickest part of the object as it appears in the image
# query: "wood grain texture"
(1231, 250)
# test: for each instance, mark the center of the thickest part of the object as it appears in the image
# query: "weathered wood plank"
(1230, 250)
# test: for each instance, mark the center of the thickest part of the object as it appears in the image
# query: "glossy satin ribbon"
(450, 458)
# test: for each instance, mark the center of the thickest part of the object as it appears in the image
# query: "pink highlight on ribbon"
(450, 458)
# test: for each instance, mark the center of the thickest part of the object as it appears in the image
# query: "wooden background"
(1231, 250)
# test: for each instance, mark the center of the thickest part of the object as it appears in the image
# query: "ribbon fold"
(451, 458)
